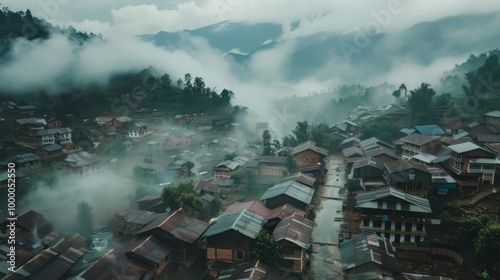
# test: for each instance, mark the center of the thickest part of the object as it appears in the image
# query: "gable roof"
(207, 186)
(368, 161)
(150, 248)
(293, 189)
(81, 159)
(429, 129)
(381, 150)
(309, 145)
(296, 229)
(368, 247)
(372, 143)
(284, 211)
(419, 139)
(179, 225)
(465, 147)
(351, 151)
(350, 139)
(301, 178)
(253, 270)
(401, 165)
(244, 221)
(51, 131)
(370, 199)
(254, 206)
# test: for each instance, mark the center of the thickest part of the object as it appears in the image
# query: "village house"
(61, 136)
(293, 234)
(152, 203)
(24, 162)
(369, 254)
(472, 165)
(31, 126)
(222, 122)
(182, 232)
(372, 143)
(126, 223)
(28, 110)
(82, 163)
(230, 237)
(227, 168)
(276, 215)
(302, 178)
(139, 131)
(350, 142)
(393, 214)
(417, 143)
(206, 187)
(442, 181)
(270, 166)
(369, 172)
(411, 177)
(183, 119)
(353, 152)
(149, 253)
(347, 127)
(121, 121)
(291, 192)
(254, 206)
(492, 117)
(307, 153)
(54, 123)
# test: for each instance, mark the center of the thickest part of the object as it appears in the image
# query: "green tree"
(187, 167)
(226, 96)
(301, 132)
(487, 243)
(290, 163)
(230, 156)
(469, 228)
(420, 101)
(266, 144)
(266, 249)
(84, 219)
(353, 185)
(237, 177)
(183, 195)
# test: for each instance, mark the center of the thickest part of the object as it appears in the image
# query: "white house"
(59, 136)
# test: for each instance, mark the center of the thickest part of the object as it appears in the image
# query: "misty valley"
(249, 140)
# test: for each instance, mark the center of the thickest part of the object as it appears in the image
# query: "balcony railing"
(402, 232)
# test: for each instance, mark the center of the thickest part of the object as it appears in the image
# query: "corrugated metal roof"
(139, 217)
(293, 189)
(284, 211)
(150, 248)
(429, 129)
(244, 221)
(253, 270)
(401, 165)
(380, 150)
(50, 131)
(369, 199)
(368, 247)
(309, 145)
(301, 178)
(81, 159)
(179, 225)
(355, 139)
(368, 161)
(348, 152)
(23, 158)
(296, 229)
(419, 139)
(253, 206)
(52, 147)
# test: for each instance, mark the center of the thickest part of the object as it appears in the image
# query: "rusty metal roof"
(254, 206)
(179, 225)
(296, 229)
(149, 248)
(301, 178)
(309, 145)
(284, 211)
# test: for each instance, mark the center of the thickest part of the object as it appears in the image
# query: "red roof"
(296, 229)
(207, 186)
(113, 266)
(284, 211)
(149, 248)
(254, 206)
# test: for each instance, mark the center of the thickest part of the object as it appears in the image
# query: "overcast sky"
(152, 16)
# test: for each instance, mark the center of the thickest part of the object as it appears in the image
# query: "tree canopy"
(266, 249)
(182, 195)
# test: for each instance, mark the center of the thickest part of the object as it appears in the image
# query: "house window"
(377, 223)
(366, 222)
(239, 255)
(286, 263)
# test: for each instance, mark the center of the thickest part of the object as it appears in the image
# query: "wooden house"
(291, 192)
(230, 237)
